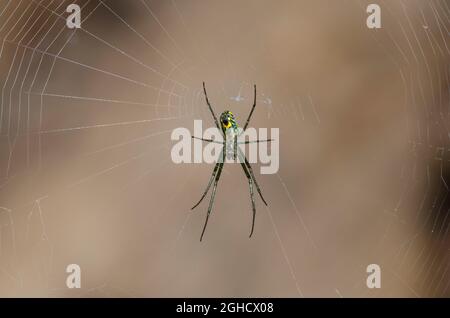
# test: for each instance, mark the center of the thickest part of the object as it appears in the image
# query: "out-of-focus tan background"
(86, 175)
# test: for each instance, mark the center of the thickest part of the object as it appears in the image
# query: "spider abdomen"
(231, 136)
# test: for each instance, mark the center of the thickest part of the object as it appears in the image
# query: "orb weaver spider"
(230, 132)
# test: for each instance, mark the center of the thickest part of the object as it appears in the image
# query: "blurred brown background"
(86, 175)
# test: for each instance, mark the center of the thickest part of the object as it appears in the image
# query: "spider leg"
(209, 185)
(250, 170)
(208, 140)
(216, 167)
(235, 143)
(250, 185)
(210, 108)
(253, 108)
(213, 194)
(255, 141)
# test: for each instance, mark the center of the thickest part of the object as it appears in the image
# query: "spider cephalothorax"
(228, 120)
(230, 133)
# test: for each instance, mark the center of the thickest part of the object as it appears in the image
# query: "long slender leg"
(210, 108)
(243, 158)
(234, 148)
(209, 185)
(253, 141)
(213, 194)
(210, 181)
(208, 140)
(250, 185)
(253, 108)
(211, 202)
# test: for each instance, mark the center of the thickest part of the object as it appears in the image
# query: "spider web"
(415, 42)
(86, 175)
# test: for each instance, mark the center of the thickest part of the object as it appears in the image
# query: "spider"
(230, 132)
